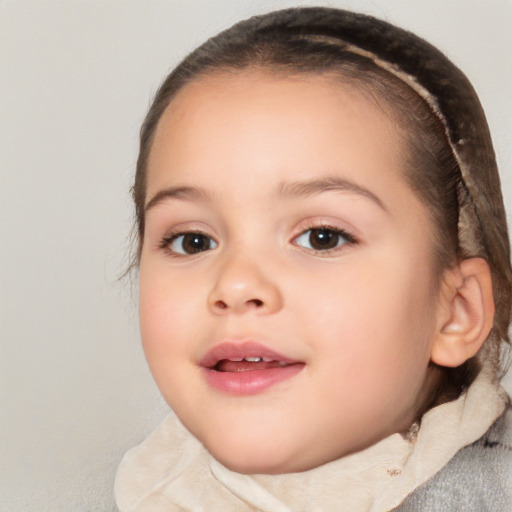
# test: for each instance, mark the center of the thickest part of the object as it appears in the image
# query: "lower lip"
(249, 382)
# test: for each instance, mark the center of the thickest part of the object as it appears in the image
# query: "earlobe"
(466, 315)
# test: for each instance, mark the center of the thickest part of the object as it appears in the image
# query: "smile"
(246, 369)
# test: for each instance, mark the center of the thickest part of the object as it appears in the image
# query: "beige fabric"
(171, 470)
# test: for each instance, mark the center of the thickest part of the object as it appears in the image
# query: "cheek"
(166, 307)
(168, 311)
(378, 316)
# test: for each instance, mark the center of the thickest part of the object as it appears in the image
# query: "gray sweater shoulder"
(477, 479)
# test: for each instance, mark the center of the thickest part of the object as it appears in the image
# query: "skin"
(362, 317)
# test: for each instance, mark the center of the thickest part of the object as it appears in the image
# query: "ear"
(466, 313)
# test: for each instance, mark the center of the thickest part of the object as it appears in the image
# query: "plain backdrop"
(76, 78)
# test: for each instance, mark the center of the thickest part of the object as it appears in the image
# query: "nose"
(243, 286)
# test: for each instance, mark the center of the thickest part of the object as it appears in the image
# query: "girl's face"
(287, 296)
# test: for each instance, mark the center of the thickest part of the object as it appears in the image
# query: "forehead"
(250, 120)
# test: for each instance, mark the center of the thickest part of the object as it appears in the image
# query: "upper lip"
(238, 351)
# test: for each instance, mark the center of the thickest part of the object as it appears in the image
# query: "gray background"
(75, 82)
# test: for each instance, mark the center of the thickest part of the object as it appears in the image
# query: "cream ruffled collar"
(172, 471)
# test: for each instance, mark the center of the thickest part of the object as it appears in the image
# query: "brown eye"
(191, 243)
(322, 239)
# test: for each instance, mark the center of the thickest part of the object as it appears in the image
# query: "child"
(325, 282)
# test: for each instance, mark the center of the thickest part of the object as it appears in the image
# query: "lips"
(246, 368)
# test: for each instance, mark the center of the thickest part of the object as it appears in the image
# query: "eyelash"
(166, 241)
(349, 239)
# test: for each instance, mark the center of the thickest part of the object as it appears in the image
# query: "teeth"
(255, 359)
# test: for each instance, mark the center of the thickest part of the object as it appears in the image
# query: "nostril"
(255, 302)
(221, 304)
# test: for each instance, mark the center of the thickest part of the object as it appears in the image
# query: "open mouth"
(248, 364)
(246, 369)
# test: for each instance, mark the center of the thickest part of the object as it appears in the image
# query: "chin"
(255, 460)
(268, 460)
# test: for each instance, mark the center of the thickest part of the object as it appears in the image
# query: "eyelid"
(323, 223)
(181, 228)
(171, 235)
(318, 224)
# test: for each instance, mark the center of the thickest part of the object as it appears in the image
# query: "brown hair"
(314, 41)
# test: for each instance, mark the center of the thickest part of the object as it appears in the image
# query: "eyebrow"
(315, 186)
(179, 192)
(301, 188)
